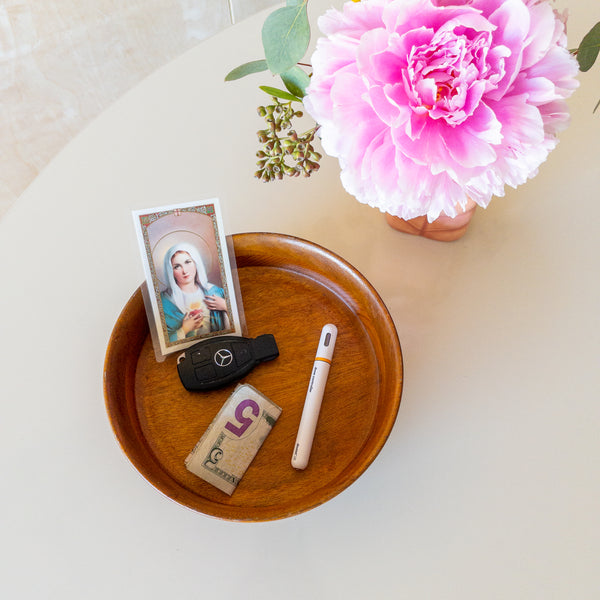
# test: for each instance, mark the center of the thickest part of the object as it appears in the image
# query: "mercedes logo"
(223, 357)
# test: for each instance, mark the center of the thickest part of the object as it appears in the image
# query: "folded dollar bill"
(232, 440)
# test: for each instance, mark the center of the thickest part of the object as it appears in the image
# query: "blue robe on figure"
(174, 316)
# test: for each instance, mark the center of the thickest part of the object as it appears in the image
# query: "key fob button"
(201, 355)
(205, 373)
(242, 354)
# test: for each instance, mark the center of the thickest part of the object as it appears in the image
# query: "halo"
(169, 240)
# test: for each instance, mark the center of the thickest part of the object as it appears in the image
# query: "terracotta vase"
(443, 229)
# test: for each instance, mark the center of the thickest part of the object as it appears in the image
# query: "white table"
(488, 486)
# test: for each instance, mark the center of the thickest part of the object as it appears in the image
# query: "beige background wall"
(62, 62)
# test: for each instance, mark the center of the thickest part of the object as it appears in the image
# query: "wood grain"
(290, 288)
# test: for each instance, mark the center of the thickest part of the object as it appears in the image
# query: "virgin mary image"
(192, 306)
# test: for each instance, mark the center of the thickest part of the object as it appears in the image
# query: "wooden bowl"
(290, 288)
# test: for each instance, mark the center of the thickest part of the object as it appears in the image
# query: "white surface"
(488, 486)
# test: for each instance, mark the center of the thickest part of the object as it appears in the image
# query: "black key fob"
(219, 361)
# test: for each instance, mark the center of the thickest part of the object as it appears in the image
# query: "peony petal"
(373, 58)
(353, 20)
(469, 150)
(539, 90)
(512, 20)
(428, 149)
(385, 110)
(402, 44)
(485, 125)
(541, 33)
(560, 67)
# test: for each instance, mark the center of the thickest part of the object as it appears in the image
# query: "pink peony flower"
(429, 102)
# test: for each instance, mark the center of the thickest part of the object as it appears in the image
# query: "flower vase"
(442, 229)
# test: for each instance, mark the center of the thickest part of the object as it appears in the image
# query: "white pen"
(314, 396)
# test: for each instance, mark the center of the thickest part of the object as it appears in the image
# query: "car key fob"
(222, 360)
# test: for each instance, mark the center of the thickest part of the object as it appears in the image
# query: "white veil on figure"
(174, 291)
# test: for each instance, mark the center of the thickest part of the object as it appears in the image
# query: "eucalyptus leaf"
(587, 53)
(296, 81)
(279, 93)
(285, 37)
(255, 66)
